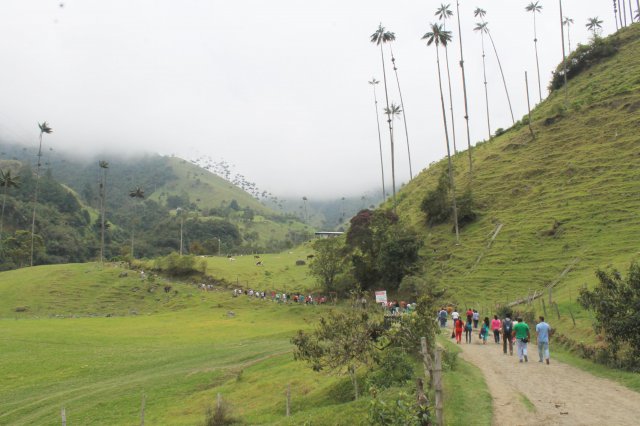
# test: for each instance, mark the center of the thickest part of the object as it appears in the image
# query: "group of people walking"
(507, 329)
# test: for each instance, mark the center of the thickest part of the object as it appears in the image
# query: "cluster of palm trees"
(439, 36)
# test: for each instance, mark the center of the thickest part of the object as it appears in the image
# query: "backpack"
(507, 326)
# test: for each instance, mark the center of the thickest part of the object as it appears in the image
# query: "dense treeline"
(68, 221)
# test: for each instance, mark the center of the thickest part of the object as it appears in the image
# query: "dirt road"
(534, 393)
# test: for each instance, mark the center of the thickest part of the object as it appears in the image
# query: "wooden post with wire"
(426, 361)
(437, 378)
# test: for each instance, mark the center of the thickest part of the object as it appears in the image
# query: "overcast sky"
(278, 88)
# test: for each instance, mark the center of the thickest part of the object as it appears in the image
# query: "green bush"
(394, 368)
(584, 57)
(180, 266)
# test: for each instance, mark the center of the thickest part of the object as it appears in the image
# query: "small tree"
(342, 342)
(328, 261)
(616, 303)
(6, 181)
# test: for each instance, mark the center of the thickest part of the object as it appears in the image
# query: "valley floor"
(534, 393)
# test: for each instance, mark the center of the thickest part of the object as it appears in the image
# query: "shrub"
(220, 416)
(394, 368)
(436, 204)
(584, 57)
(401, 411)
(180, 266)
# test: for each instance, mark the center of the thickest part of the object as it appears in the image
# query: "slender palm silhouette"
(443, 13)
(6, 181)
(564, 57)
(380, 37)
(136, 194)
(568, 22)
(392, 112)
(438, 36)
(373, 84)
(44, 128)
(104, 165)
(481, 27)
(536, 7)
(404, 117)
(594, 25)
(464, 89)
(481, 14)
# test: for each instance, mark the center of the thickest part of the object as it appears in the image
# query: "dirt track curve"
(561, 394)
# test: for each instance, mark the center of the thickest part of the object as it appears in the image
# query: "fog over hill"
(278, 89)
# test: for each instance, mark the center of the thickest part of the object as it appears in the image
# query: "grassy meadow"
(85, 338)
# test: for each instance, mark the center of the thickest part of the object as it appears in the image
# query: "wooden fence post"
(142, 410)
(544, 308)
(63, 414)
(426, 361)
(219, 402)
(550, 296)
(437, 375)
(557, 309)
(288, 399)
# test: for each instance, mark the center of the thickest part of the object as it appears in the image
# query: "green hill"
(564, 204)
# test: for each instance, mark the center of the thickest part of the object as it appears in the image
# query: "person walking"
(507, 333)
(458, 326)
(542, 330)
(476, 318)
(484, 330)
(523, 335)
(468, 329)
(496, 325)
(442, 315)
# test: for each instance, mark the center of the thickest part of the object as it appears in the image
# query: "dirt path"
(559, 394)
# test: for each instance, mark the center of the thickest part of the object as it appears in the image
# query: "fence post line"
(437, 373)
(219, 402)
(288, 399)
(426, 361)
(142, 409)
(63, 414)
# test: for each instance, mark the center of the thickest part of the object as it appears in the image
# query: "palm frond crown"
(443, 12)
(44, 127)
(137, 193)
(437, 35)
(382, 36)
(479, 12)
(534, 7)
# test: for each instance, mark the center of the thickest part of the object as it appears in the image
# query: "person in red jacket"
(459, 328)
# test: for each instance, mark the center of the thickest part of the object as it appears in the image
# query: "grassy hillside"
(569, 197)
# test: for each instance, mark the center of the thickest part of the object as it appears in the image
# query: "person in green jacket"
(522, 338)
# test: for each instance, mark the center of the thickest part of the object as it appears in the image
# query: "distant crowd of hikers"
(281, 297)
(506, 329)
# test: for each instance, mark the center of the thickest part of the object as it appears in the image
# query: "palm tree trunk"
(569, 36)
(620, 14)
(375, 98)
(464, 89)
(486, 90)
(102, 192)
(404, 117)
(4, 202)
(386, 95)
(630, 12)
(564, 58)
(132, 232)
(504, 81)
(624, 12)
(453, 123)
(35, 199)
(446, 134)
(535, 45)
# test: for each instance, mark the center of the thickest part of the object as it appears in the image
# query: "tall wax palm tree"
(564, 57)
(373, 84)
(594, 25)
(481, 28)
(464, 88)
(306, 214)
(568, 22)
(638, 13)
(136, 194)
(443, 13)
(481, 14)
(438, 36)
(536, 7)
(44, 128)
(404, 117)
(6, 181)
(392, 112)
(381, 37)
(180, 212)
(104, 165)
(615, 14)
